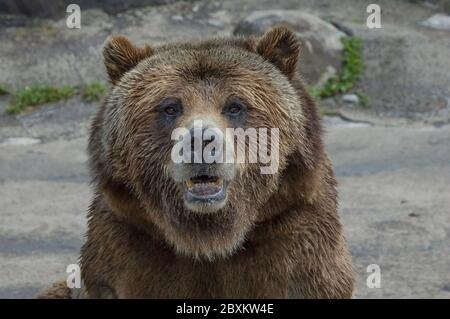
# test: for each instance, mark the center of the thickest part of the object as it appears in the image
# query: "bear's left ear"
(281, 47)
(120, 56)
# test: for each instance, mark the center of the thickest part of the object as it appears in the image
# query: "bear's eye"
(235, 108)
(170, 107)
(170, 110)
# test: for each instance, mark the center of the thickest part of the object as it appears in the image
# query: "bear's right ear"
(281, 47)
(120, 56)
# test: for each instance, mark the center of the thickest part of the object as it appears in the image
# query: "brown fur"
(278, 236)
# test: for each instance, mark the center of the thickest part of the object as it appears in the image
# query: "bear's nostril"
(197, 135)
(206, 141)
(198, 144)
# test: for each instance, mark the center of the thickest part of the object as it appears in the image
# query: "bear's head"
(171, 106)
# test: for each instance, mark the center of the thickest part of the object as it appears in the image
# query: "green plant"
(352, 68)
(364, 100)
(94, 91)
(314, 91)
(37, 95)
(445, 4)
(3, 90)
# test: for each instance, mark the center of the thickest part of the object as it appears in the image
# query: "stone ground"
(393, 173)
(393, 183)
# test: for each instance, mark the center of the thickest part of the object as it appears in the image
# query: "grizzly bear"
(159, 229)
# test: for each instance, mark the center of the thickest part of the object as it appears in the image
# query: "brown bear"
(159, 229)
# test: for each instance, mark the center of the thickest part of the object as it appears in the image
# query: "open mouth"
(205, 188)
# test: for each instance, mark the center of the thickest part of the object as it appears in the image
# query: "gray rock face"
(350, 98)
(321, 52)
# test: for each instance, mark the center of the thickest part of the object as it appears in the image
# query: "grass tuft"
(94, 91)
(37, 95)
(352, 68)
(3, 90)
(364, 99)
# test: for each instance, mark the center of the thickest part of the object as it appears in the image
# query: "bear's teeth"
(189, 183)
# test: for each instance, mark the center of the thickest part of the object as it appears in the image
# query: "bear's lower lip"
(205, 188)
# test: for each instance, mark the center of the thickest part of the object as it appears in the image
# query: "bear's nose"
(198, 138)
(202, 149)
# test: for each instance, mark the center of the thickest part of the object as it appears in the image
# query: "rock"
(321, 45)
(438, 21)
(350, 98)
(177, 17)
(216, 23)
(342, 27)
(19, 141)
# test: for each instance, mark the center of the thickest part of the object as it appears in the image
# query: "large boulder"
(321, 53)
(438, 21)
